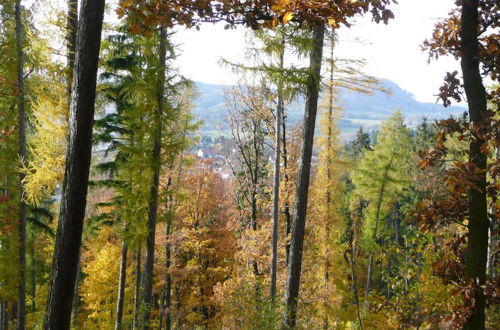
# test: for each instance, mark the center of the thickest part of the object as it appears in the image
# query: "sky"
(391, 51)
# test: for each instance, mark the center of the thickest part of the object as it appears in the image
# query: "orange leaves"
(134, 29)
(251, 13)
(451, 88)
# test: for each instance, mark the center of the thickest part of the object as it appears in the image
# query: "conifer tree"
(380, 177)
(9, 185)
(21, 303)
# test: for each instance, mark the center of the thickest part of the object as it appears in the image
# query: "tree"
(73, 200)
(380, 178)
(9, 185)
(356, 147)
(249, 109)
(468, 34)
(478, 222)
(21, 304)
(153, 201)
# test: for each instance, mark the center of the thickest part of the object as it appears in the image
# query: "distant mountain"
(359, 109)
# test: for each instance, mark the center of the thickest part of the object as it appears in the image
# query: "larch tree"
(256, 14)
(21, 303)
(154, 187)
(9, 148)
(380, 177)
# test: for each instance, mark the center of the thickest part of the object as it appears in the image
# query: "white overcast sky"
(392, 51)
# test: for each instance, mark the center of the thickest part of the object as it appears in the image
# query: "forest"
(116, 213)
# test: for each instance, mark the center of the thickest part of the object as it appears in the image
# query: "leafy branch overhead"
(254, 13)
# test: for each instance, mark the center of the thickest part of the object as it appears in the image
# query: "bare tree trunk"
(298, 227)
(276, 190)
(153, 202)
(477, 243)
(21, 304)
(121, 286)
(73, 201)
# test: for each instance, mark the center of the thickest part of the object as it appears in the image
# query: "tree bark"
(71, 27)
(167, 286)
(355, 283)
(276, 190)
(33, 273)
(73, 200)
(477, 243)
(288, 215)
(493, 242)
(153, 202)
(2, 316)
(329, 175)
(21, 304)
(298, 227)
(121, 286)
(76, 297)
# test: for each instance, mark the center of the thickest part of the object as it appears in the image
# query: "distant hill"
(359, 109)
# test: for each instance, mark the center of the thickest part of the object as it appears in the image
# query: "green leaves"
(383, 173)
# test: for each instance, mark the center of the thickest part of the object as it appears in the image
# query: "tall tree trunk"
(477, 243)
(153, 201)
(121, 286)
(254, 219)
(76, 297)
(21, 303)
(73, 200)
(71, 27)
(167, 286)
(298, 227)
(355, 283)
(329, 175)
(33, 274)
(377, 218)
(286, 211)
(71, 31)
(276, 190)
(137, 296)
(3, 315)
(493, 242)
(168, 280)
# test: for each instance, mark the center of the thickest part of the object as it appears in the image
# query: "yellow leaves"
(280, 5)
(331, 22)
(48, 143)
(287, 17)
